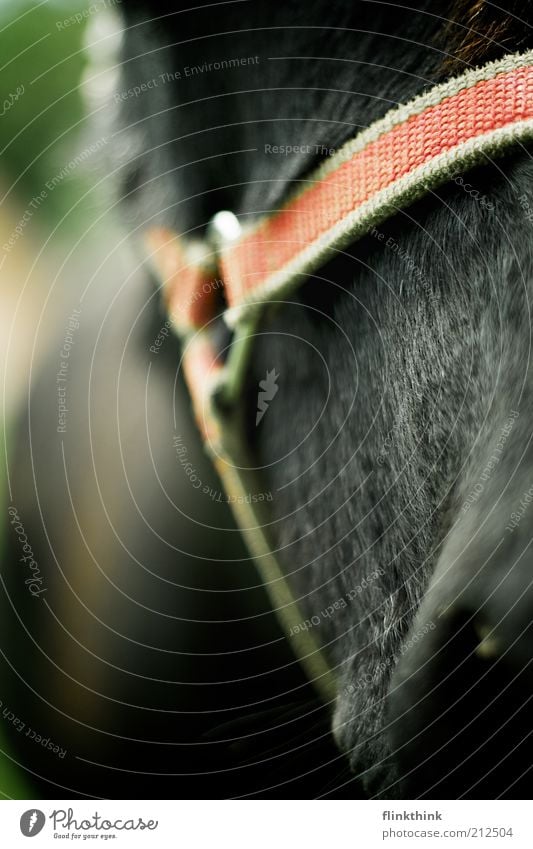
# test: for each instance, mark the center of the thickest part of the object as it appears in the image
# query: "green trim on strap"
(240, 480)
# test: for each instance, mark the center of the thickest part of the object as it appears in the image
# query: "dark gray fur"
(398, 369)
(446, 349)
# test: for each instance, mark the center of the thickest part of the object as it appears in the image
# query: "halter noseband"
(412, 150)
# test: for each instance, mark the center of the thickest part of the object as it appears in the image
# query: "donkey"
(397, 445)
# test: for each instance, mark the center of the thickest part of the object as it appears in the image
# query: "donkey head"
(397, 445)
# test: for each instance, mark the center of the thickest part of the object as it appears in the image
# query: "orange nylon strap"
(386, 167)
(413, 149)
(398, 159)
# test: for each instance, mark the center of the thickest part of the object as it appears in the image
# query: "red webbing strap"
(413, 149)
(188, 272)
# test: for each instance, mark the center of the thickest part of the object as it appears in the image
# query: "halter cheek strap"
(412, 150)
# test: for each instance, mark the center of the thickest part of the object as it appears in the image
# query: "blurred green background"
(43, 109)
(44, 123)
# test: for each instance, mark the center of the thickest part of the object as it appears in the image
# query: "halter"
(415, 148)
